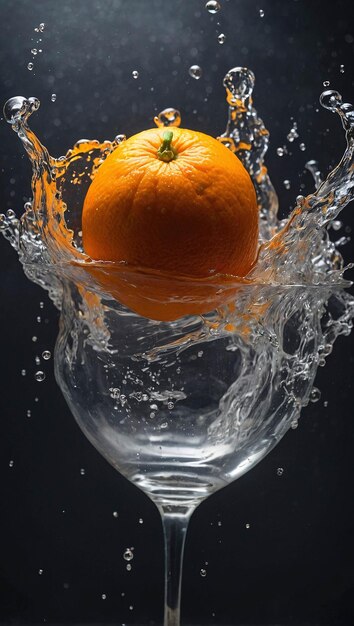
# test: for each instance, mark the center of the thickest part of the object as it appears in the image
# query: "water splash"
(277, 328)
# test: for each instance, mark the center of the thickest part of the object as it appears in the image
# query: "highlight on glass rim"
(197, 303)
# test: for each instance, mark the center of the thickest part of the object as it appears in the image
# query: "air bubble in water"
(315, 395)
(221, 38)
(261, 13)
(248, 525)
(103, 596)
(128, 554)
(203, 572)
(40, 572)
(39, 376)
(46, 355)
(28, 413)
(212, 6)
(34, 51)
(302, 147)
(82, 471)
(41, 27)
(115, 514)
(141, 521)
(280, 471)
(294, 424)
(30, 66)
(53, 97)
(168, 117)
(341, 69)
(326, 83)
(195, 71)
(280, 151)
(128, 567)
(135, 74)
(23, 372)
(286, 183)
(11, 463)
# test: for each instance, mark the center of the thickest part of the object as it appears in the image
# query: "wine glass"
(184, 408)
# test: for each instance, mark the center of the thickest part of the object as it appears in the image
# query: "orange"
(176, 201)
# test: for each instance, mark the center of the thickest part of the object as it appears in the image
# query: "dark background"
(61, 546)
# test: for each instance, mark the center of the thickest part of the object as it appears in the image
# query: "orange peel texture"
(179, 203)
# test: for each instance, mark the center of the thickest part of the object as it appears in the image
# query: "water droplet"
(212, 6)
(46, 355)
(326, 83)
(239, 81)
(135, 74)
(128, 555)
(261, 13)
(11, 463)
(280, 471)
(82, 471)
(280, 151)
(53, 97)
(221, 38)
(302, 147)
(39, 376)
(286, 184)
(115, 514)
(330, 99)
(120, 138)
(168, 117)
(195, 71)
(30, 66)
(336, 224)
(203, 572)
(315, 395)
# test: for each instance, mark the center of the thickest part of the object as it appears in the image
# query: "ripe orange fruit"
(176, 201)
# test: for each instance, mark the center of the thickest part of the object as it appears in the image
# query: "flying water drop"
(168, 117)
(212, 6)
(195, 71)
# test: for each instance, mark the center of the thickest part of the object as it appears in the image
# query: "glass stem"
(175, 523)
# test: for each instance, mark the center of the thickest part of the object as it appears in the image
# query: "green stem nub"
(166, 152)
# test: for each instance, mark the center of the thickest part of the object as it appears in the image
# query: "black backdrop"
(279, 548)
